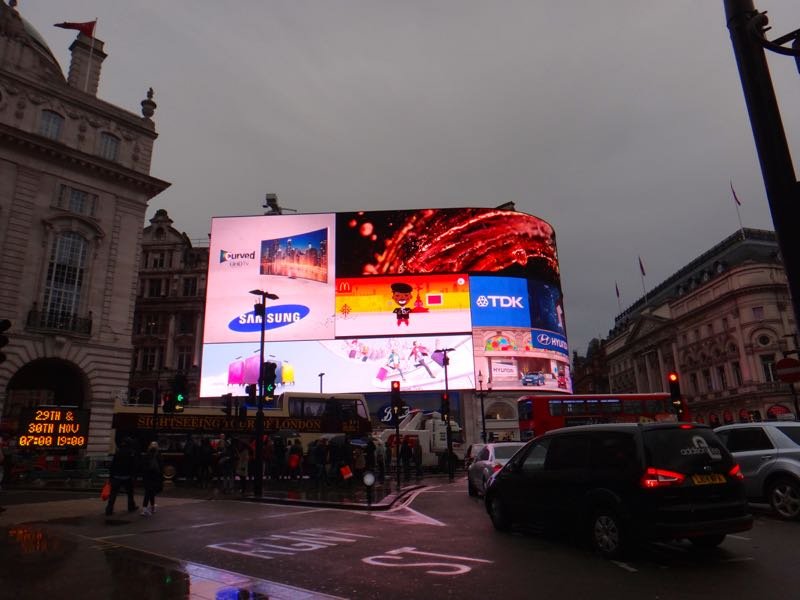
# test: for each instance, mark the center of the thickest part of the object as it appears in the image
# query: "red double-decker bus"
(541, 413)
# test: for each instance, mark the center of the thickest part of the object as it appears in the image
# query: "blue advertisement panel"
(546, 307)
(547, 340)
(499, 302)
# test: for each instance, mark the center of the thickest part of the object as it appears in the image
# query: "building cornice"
(59, 153)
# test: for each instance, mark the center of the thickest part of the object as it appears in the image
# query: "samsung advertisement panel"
(290, 256)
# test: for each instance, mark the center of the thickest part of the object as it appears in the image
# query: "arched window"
(500, 410)
(66, 272)
(51, 124)
(109, 146)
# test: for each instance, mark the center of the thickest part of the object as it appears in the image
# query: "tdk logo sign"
(499, 301)
(275, 316)
(225, 256)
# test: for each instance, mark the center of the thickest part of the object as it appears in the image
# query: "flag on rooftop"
(735, 197)
(641, 266)
(86, 28)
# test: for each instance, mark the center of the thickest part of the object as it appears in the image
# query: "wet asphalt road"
(437, 543)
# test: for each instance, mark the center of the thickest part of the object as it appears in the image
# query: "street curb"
(386, 504)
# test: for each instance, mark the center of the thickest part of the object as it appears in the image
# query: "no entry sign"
(788, 370)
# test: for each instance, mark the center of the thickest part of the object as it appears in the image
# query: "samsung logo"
(553, 342)
(274, 317)
(225, 256)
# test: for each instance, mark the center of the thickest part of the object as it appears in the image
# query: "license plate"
(708, 479)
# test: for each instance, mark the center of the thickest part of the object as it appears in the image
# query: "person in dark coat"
(152, 478)
(405, 457)
(123, 474)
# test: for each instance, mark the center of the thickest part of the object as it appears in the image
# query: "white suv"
(769, 455)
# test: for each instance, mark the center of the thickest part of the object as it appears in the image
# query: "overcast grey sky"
(619, 122)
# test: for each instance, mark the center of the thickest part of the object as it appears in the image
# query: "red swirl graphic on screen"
(455, 241)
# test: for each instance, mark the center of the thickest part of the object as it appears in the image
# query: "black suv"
(624, 483)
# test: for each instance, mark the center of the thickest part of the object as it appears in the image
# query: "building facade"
(722, 322)
(168, 317)
(74, 186)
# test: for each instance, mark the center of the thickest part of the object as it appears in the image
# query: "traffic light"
(675, 393)
(242, 411)
(179, 386)
(251, 390)
(397, 401)
(445, 406)
(168, 402)
(227, 400)
(5, 325)
(269, 380)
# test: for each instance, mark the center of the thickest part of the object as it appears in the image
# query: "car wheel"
(471, 490)
(607, 533)
(498, 513)
(784, 496)
(707, 541)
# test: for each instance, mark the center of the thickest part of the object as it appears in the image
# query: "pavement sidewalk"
(25, 503)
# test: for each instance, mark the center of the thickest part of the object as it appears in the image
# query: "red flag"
(86, 28)
(735, 197)
(641, 266)
(616, 287)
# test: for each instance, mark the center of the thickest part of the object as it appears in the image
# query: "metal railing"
(59, 321)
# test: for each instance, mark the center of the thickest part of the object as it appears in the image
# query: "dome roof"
(13, 25)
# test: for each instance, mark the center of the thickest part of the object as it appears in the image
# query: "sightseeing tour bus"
(541, 413)
(290, 416)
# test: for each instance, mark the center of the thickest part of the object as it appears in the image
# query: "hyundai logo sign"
(275, 316)
(549, 341)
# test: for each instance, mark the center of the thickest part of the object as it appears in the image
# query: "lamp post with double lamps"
(260, 310)
(482, 395)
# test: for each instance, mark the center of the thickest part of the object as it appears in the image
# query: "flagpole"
(91, 51)
(737, 203)
(619, 301)
(641, 272)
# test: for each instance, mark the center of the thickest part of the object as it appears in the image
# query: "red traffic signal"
(395, 386)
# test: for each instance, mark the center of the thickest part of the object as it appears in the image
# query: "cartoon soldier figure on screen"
(401, 294)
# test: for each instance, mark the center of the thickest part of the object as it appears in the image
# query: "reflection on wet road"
(49, 565)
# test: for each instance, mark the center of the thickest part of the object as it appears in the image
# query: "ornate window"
(51, 124)
(190, 286)
(184, 358)
(768, 367)
(109, 146)
(65, 276)
(77, 201)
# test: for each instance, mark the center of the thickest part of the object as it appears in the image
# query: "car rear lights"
(659, 478)
(496, 467)
(736, 472)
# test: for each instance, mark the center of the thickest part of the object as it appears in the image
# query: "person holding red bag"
(123, 473)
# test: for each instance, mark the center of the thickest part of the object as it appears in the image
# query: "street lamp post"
(483, 410)
(450, 465)
(321, 375)
(260, 310)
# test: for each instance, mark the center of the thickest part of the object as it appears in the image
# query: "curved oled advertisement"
(367, 298)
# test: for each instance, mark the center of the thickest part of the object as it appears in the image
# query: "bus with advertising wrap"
(541, 413)
(291, 415)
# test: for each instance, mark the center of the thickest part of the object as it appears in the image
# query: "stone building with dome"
(74, 188)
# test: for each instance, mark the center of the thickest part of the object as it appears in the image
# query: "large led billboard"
(365, 298)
